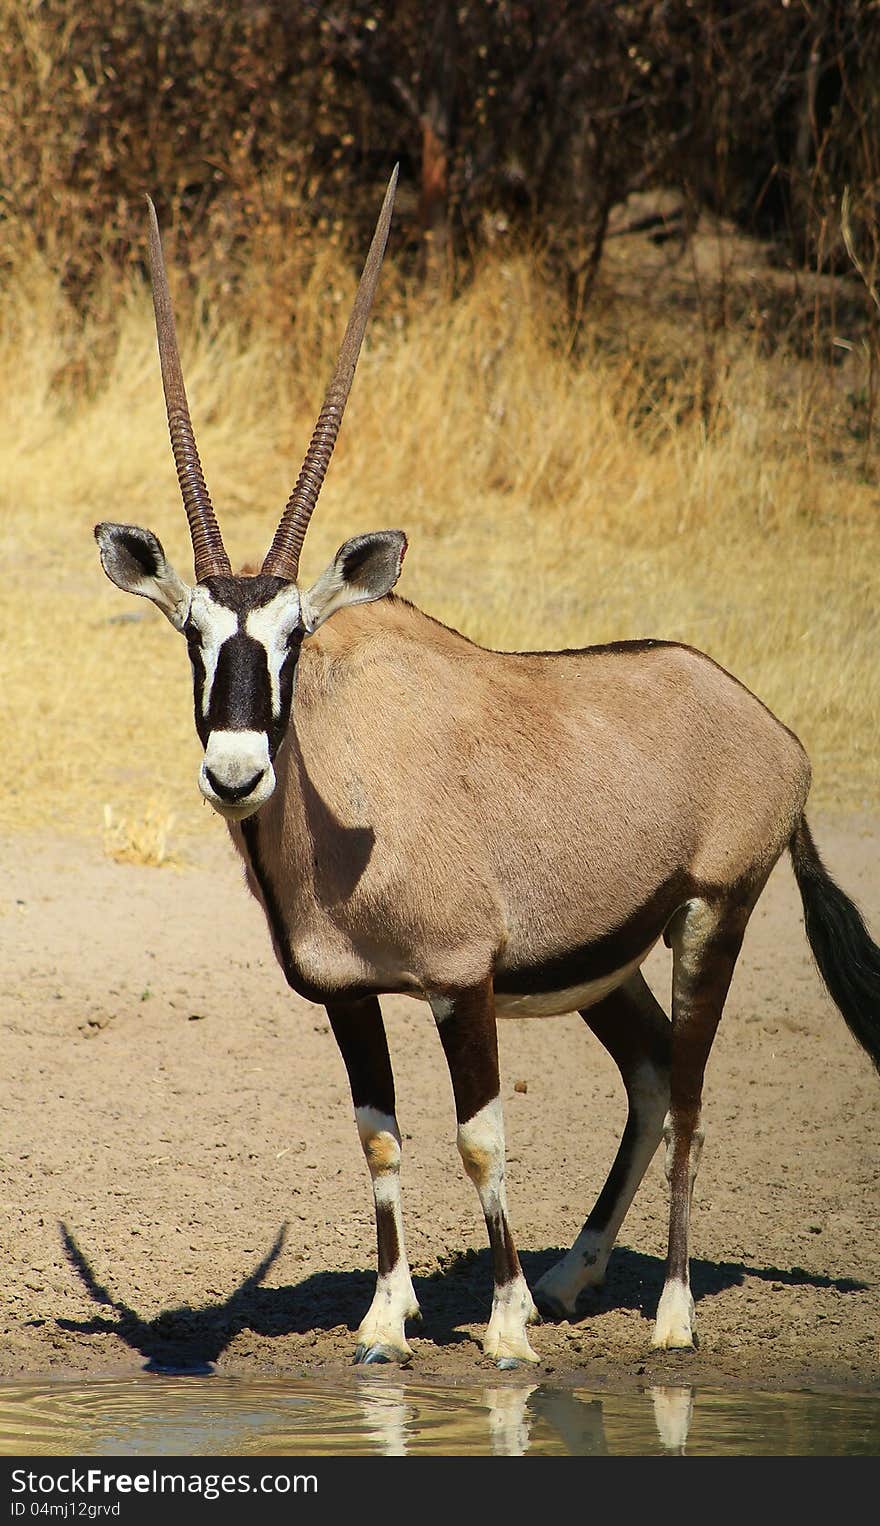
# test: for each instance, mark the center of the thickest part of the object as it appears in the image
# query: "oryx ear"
(365, 568)
(133, 559)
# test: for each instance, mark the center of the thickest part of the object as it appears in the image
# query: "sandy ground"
(183, 1183)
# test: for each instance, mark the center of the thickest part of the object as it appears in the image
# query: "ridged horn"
(210, 556)
(282, 558)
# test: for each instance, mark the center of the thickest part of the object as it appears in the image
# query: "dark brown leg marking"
(637, 1034)
(470, 1042)
(360, 1033)
(466, 1023)
(705, 951)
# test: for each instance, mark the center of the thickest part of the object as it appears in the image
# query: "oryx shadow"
(635, 1280)
(189, 1339)
(460, 1291)
(340, 854)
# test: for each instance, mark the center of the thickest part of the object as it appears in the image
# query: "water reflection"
(570, 1424)
(371, 1415)
(673, 1409)
(386, 1416)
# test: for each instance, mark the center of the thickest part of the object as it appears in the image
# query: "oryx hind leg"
(706, 939)
(636, 1032)
(360, 1034)
(466, 1024)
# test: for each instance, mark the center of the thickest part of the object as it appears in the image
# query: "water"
(387, 1416)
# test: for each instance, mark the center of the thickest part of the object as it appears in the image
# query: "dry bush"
(106, 101)
(537, 116)
(142, 840)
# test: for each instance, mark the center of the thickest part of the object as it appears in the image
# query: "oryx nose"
(232, 792)
(236, 767)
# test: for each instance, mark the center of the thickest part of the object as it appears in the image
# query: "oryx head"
(244, 633)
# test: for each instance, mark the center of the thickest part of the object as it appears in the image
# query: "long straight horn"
(210, 557)
(282, 558)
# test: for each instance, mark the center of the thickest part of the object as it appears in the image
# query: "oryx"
(490, 832)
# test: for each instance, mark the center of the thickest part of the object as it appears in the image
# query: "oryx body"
(445, 814)
(494, 833)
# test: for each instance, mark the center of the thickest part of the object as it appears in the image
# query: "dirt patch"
(183, 1182)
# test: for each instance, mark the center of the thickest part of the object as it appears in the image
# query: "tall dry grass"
(550, 498)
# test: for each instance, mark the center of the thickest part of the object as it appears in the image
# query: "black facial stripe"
(241, 686)
(241, 692)
(285, 690)
(199, 680)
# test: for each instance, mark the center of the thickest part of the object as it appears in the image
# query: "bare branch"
(846, 230)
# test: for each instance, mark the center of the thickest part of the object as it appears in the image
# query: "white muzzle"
(236, 776)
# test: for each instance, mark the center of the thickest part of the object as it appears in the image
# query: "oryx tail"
(847, 958)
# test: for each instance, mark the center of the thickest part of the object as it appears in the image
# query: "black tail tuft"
(847, 957)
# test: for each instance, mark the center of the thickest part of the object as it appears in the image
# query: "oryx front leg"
(466, 1022)
(705, 943)
(636, 1032)
(360, 1034)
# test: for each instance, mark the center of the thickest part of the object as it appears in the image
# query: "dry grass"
(145, 840)
(549, 501)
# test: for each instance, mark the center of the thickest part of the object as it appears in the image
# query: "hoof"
(521, 1354)
(365, 1355)
(675, 1338)
(551, 1307)
(562, 1293)
(675, 1326)
(675, 1342)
